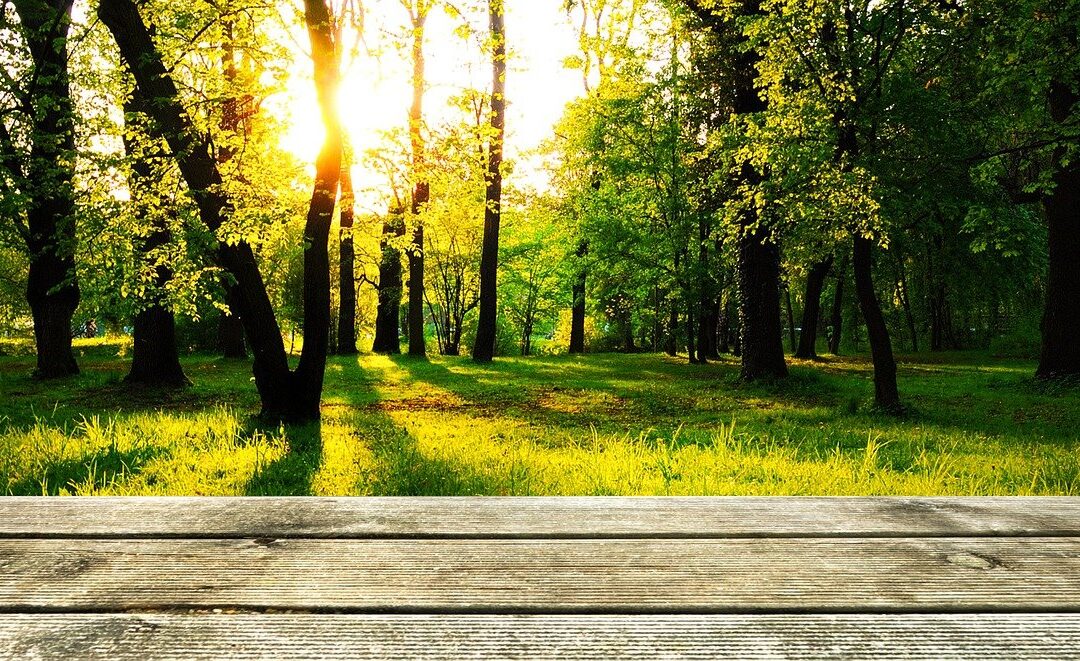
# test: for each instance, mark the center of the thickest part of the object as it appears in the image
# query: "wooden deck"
(539, 578)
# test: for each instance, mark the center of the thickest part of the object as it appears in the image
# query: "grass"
(597, 425)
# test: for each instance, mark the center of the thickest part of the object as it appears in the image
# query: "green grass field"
(595, 425)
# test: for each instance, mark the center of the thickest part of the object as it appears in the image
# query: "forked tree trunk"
(1060, 357)
(284, 395)
(815, 283)
(52, 289)
(484, 349)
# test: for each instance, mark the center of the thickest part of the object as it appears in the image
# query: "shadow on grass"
(291, 474)
(93, 471)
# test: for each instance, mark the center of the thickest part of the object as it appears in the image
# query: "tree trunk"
(388, 316)
(230, 327)
(284, 395)
(577, 313)
(815, 283)
(421, 191)
(1061, 319)
(886, 394)
(484, 350)
(793, 341)
(761, 330)
(155, 358)
(837, 317)
(346, 335)
(52, 289)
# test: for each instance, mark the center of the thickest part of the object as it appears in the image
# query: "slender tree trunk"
(837, 316)
(577, 313)
(886, 394)
(52, 288)
(346, 335)
(792, 338)
(155, 358)
(815, 283)
(1061, 319)
(484, 350)
(671, 344)
(388, 316)
(421, 191)
(724, 326)
(905, 300)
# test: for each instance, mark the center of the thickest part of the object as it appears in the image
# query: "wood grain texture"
(927, 575)
(143, 637)
(555, 518)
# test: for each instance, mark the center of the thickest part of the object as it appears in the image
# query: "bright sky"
(377, 92)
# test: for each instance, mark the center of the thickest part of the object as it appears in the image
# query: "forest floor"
(594, 425)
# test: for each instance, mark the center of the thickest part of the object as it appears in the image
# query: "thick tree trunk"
(837, 316)
(761, 331)
(52, 289)
(388, 316)
(886, 394)
(1061, 319)
(346, 336)
(577, 312)
(484, 350)
(155, 359)
(815, 283)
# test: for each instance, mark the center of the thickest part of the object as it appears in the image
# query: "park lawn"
(593, 425)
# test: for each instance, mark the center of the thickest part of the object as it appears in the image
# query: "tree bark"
(52, 288)
(346, 336)
(484, 349)
(1060, 356)
(886, 394)
(815, 283)
(760, 328)
(388, 316)
(577, 312)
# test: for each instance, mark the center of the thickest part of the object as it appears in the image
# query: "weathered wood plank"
(927, 575)
(139, 637)
(537, 517)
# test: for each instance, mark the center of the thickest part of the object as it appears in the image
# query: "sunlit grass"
(605, 425)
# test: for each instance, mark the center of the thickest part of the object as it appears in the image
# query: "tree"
(418, 14)
(155, 358)
(37, 165)
(285, 394)
(758, 255)
(484, 349)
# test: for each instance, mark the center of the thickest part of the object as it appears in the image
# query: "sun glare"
(376, 93)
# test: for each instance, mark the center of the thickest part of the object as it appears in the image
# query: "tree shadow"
(293, 473)
(92, 472)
